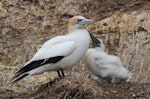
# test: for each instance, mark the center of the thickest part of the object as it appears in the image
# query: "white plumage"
(59, 53)
(103, 65)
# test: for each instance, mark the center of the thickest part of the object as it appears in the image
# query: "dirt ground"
(26, 24)
(83, 88)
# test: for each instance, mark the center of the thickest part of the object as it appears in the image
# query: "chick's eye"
(79, 20)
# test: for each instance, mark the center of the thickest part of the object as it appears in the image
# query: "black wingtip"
(18, 73)
(23, 72)
(14, 80)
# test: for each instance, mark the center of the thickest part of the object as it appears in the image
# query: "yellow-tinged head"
(78, 22)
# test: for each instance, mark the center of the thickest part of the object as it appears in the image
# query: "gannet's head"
(78, 22)
(97, 43)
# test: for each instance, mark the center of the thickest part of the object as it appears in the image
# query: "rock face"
(25, 25)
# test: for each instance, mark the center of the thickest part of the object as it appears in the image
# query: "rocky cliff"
(25, 25)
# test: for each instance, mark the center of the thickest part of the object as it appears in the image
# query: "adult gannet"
(59, 53)
(103, 65)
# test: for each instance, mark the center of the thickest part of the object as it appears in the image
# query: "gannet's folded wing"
(48, 55)
(59, 49)
(48, 48)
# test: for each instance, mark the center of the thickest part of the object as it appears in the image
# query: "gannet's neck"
(80, 35)
(99, 49)
(71, 29)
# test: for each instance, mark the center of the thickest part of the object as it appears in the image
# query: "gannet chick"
(59, 53)
(103, 65)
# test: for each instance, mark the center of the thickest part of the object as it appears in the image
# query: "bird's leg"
(62, 72)
(59, 74)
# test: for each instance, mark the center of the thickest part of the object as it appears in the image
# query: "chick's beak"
(96, 42)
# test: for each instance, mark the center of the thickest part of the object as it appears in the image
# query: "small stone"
(133, 95)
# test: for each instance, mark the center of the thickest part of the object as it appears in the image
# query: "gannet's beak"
(96, 42)
(87, 21)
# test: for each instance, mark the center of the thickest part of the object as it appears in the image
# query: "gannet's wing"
(47, 55)
(55, 44)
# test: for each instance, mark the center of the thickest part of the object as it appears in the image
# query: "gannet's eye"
(79, 20)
